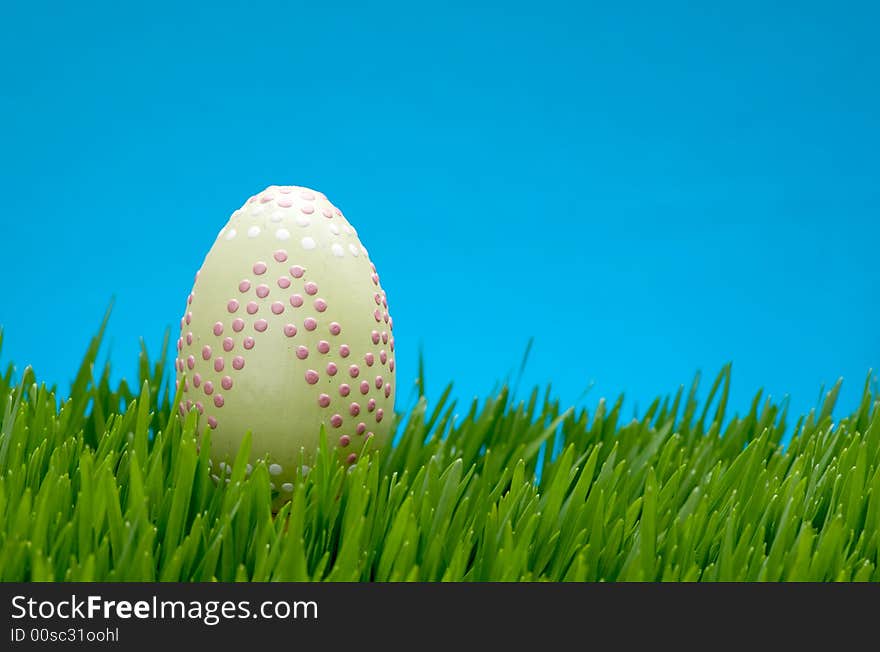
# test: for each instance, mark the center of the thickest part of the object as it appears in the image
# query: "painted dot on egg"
(312, 377)
(244, 286)
(232, 305)
(238, 363)
(310, 324)
(284, 282)
(308, 243)
(302, 352)
(336, 420)
(344, 441)
(238, 325)
(311, 288)
(320, 305)
(323, 346)
(261, 325)
(296, 300)
(289, 330)
(365, 387)
(335, 328)
(262, 290)
(296, 271)
(344, 389)
(337, 250)
(260, 268)
(249, 342)
(277, 307)
(252, 307)
(228, 344)
(332, 368)
(206, 352)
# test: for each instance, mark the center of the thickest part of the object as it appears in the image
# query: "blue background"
(648, 189)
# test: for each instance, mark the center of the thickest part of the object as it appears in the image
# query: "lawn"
(111, 485)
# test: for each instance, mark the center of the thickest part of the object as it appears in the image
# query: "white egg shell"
(287, 329)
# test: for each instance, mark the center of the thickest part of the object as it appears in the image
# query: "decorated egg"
(287, 329)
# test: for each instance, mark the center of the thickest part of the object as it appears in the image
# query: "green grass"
(112, 486)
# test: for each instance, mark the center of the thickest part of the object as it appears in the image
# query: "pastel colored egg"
(286, 316)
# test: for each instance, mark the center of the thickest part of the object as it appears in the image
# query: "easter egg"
(287, 329)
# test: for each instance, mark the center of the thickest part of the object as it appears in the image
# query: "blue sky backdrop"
(648, 189)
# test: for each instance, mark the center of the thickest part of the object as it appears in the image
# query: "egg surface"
(287, 329)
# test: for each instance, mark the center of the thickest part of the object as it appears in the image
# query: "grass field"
(112, 486)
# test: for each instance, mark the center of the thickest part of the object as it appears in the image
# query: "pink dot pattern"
(251, 309)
